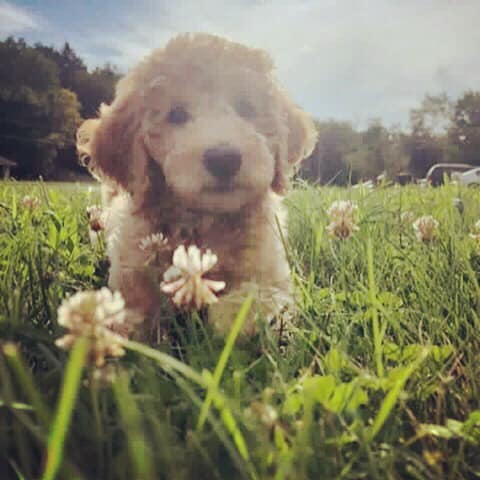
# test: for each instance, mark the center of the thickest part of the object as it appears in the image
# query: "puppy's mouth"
(221, 187)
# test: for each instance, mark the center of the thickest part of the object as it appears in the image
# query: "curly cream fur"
(166, 185)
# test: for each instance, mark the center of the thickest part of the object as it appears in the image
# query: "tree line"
(45, 93)
(440, 130)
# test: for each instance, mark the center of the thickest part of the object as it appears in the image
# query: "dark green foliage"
(91, 88)
(465, 131)
(38, 116)
(43, 94)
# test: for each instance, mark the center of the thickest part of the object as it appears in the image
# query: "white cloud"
(353, 59)
(14, 20)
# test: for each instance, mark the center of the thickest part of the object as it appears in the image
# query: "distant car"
(470, 177)
(436, 173)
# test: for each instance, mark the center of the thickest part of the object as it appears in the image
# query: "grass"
(380, 380)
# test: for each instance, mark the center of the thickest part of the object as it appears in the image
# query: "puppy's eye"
(84, 160)
(178, 115)
(245, 108)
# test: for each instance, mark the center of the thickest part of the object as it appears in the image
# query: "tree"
(343, 155)
(397, 160)
(369, 159)
(67, 62)
(37, 117)
(328, 161)
(434, 116)
(64, 116)
(428, 142)
(464, 134)
(94, 88)
(91, 88)
(25, 71)
(424, 150)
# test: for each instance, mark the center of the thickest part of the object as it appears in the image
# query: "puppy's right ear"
(300, 136)
(117, 147)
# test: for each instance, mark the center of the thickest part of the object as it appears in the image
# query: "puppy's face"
(207, 112)
(214, 137)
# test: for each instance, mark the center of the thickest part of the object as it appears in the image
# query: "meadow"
(378, 379)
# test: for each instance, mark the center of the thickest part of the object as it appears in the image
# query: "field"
(380, 378)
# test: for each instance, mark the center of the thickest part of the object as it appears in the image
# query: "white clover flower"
(30, 202)
(382, 178)
(96, 218)
(475, 236)
(459, 205)
(184, 279)
(342, 214)
(407, 217)
(98, 315)
(476, 231)
(94, 238)
(340, 208)
(425, 228)
(104, 376)
(264, 412)
(153, 242)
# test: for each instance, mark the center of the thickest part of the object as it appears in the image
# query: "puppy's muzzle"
(222, 161)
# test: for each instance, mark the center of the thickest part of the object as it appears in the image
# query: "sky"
(351, 60)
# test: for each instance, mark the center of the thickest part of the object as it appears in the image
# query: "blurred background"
(394, 86)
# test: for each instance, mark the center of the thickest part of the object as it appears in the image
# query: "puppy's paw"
(269, 303)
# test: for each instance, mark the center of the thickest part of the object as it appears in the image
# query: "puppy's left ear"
(301, 137)
(84, 136)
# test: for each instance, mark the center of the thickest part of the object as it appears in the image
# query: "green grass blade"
(167, 362)
(391, 398)
(173, 366)
(17, 471)
(216, 425)
(16, 405)
(24, 378)
(68, 395)
(132, 420)
(223, 359)
(377, 338)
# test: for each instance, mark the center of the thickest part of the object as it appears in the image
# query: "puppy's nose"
(222, 161)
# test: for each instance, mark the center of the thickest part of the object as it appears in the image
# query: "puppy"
(198, 144)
